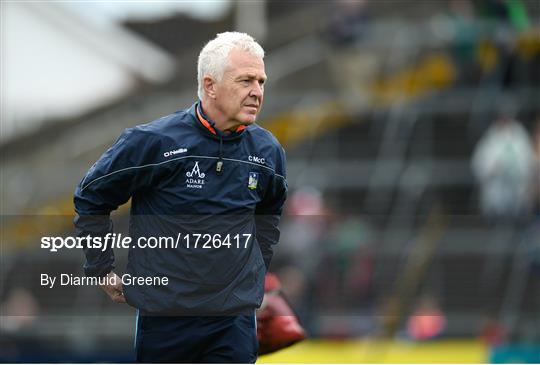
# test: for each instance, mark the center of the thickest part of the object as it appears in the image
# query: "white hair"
(214, 56)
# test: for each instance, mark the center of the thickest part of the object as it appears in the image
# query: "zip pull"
(219, 164)
(219, 167)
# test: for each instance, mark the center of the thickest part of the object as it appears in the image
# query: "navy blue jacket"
(184, 176)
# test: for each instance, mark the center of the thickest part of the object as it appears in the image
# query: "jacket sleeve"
(111, 181)
(268, 211)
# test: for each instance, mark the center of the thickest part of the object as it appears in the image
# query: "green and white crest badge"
(253, 180)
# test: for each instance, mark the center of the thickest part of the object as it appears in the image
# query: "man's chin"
(248, 119)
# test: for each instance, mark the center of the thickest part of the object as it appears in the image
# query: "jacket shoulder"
(264, 135)
(151, 138)
(162, 127)
(265, 138)
(156, 133)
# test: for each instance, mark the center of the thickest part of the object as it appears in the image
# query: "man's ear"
(209, 85)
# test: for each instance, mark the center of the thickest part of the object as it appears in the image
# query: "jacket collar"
(207, 124)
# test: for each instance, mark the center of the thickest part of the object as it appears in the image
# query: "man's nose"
(256, 90)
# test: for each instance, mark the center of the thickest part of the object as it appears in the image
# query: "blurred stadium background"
(412, 129)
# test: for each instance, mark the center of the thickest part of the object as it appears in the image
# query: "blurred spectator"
(350, 246)
(536, 146)
(493, 332)
(19, 311)
(353, 67)
(511, 13)
(503, 163)
(349, 21)
(506, 19)
(345, 268)
(458, 26)
(303, 228)
(294, 285)
(305, 224)
(427, 321)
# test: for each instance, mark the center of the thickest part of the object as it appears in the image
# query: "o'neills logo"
(174, 152)
(195, 178)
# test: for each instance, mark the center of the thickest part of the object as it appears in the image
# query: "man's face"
(239, 94)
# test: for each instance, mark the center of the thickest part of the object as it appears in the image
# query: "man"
(503, 163)
(214, 181)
